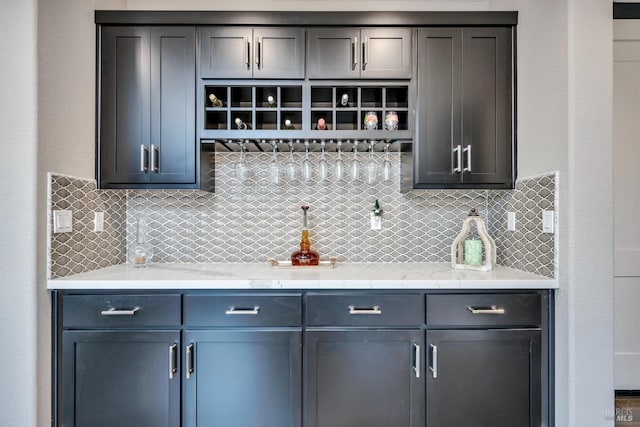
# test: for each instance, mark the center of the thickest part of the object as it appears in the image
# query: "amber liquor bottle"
(306, 255)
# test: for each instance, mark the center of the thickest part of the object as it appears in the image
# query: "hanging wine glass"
(354, 167)
(242, 166)
(290, 168)
(372, 167)
(323, 166)
(386, 164)
(307, 167)
(274, 166)
(338, 166)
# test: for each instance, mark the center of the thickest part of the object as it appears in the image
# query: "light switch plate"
(548, 221)
(511, 221)
(62, 221)
(98, 221)
(376, 222)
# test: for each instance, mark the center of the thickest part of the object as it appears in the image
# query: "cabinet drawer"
(242, 310)
(364, 310)
(120, 310)
(491, 310)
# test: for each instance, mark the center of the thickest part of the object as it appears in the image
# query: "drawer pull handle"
(416, 362)
(189, 360)
(172, 360)
(234, 310)
(484, 310)
(118, 312)
(373, 310)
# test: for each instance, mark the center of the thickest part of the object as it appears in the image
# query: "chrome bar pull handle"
(119, 312)
(143, 158)
(155, 154)
(467, 168)
(416, 362)
(172, 360)
(247, 48)
(458, 152)
(353, 310)
(189, 360)
(258, 52)
(434, 360)
(365, 53)
(486, 310)
(354, 54)
(233, 310)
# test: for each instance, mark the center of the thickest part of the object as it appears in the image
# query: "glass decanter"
(140, 252)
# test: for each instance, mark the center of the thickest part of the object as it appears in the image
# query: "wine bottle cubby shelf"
(295, 110)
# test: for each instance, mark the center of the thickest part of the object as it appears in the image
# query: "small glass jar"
(391, 120)
(370, 120)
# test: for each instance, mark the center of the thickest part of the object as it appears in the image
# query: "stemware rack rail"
(299, 146)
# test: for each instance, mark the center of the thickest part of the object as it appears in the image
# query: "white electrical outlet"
(98, 221)
(511, 221)
(62, 221)
(548, 221)
(376, 222)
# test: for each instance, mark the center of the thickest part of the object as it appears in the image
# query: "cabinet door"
(173, 123)
(386, 53)
(334, 53)
(363, 378)
(124, 379)
(243, 378)
(226, 52)
(484, 378)
(486, 89)
(279, 53)
(437, 152)
(125, 111)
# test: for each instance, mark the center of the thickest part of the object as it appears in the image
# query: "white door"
(626, 199)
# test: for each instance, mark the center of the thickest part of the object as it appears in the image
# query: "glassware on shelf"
(290, 168)
(240, 124)
(386, 164)
(344, 100)
(323, 166)
(242, 166)
(140, 252)
(372, 167)
(354, 167)
(338, 166)
(370, 120)
(271, 102)
(288, 125)
(307, 167)
(321, 124)
(391, 120)
(274, 166)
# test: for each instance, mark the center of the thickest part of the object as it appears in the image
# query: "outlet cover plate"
(511, 221)
(548, 221)
(98, 221)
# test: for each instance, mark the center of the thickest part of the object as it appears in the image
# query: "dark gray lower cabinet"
(243, 378)
(484, 378)
(364, 378)
(123, 378)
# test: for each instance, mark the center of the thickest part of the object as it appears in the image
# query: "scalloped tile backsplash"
(256, 220)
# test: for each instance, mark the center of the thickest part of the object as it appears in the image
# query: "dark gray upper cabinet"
(464, 109)
(244, 53)
(147, 107)
(353, 53)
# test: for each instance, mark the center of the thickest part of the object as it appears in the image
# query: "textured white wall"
(564, 95)
(18, 162)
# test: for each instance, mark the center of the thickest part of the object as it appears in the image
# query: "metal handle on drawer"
(155, 154)
(354, 54)
(416, 362)
(118, 312)
(458, 152)
(143, 158)
(189, 360)
(434, 360)
(468, 166)
(172, 360)
(233, 310)
(486, 310)
(373, 310)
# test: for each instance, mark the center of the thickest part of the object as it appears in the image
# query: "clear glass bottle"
(306, 255)
(140, 252)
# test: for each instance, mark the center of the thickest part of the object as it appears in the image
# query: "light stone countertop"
(263, 276)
